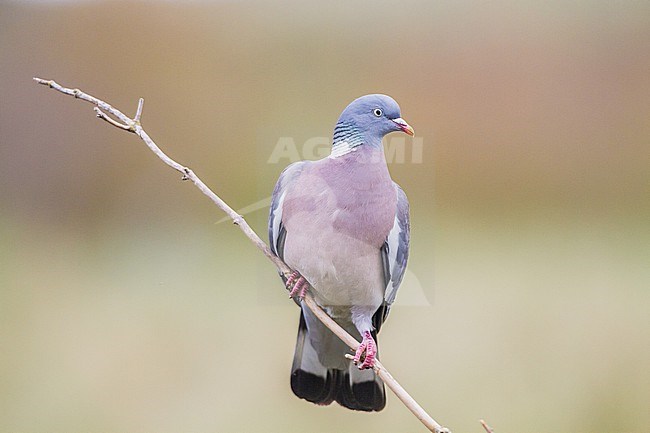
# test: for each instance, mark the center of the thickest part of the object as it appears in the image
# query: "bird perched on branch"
(343, 225)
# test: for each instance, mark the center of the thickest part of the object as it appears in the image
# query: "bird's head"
(374, 116)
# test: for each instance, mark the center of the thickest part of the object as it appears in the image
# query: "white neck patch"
(342, 148)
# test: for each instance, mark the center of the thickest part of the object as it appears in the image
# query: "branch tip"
(48, 83)
(138, 113)
(487, 428)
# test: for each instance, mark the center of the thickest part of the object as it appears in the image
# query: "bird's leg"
(299, 283)
(369, 348)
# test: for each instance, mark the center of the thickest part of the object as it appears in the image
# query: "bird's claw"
(368, 347)
(297, 284)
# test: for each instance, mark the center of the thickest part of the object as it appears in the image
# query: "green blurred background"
(124, 307)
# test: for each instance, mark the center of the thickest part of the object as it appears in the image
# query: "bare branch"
(133, 125)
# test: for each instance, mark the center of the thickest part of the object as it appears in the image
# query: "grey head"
(365, 121)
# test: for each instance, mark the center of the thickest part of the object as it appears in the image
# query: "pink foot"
(369, 347)
(299, 283)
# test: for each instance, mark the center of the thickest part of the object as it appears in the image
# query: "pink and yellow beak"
(405, 127)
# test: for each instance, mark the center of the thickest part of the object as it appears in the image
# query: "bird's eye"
(377, 112)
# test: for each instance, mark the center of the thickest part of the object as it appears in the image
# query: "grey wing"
(394, 254)
(398, 246)
(277, 232)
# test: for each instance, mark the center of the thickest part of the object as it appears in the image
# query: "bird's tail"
(315, 379)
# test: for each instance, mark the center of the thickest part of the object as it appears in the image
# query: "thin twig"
(105, 117)
(133, 125)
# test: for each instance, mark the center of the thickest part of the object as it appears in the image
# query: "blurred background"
(124, 306)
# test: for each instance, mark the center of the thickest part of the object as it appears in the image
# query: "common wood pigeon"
(343, 225)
